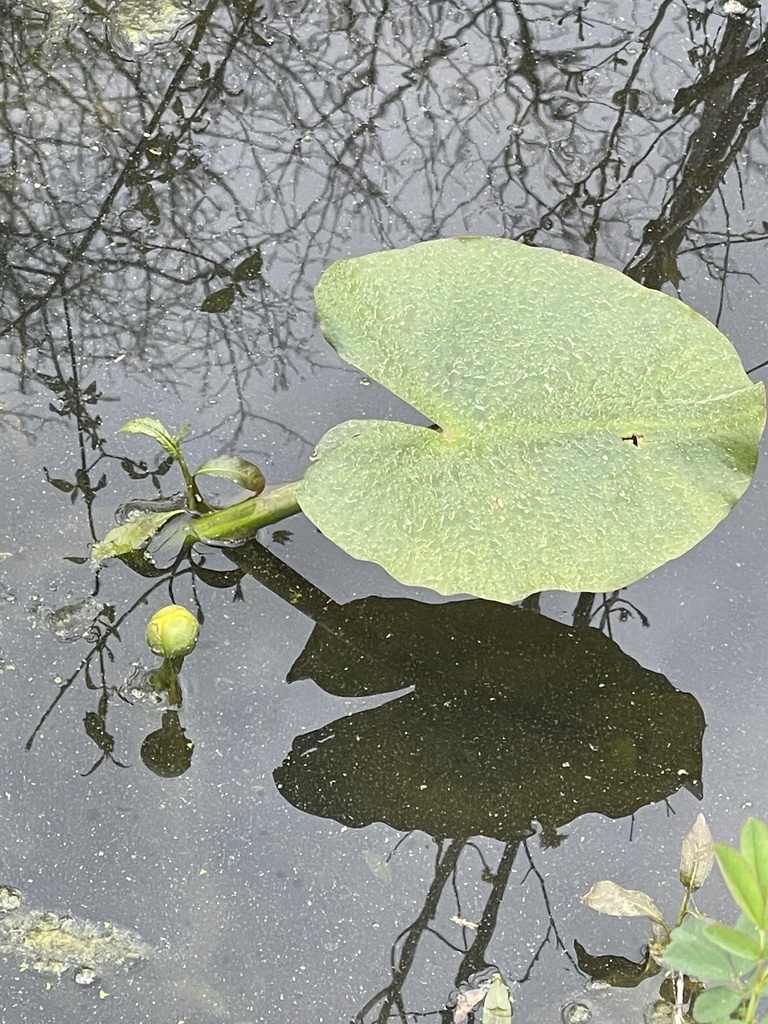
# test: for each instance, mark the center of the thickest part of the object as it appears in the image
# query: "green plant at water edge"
(581, 429)
(730, 963)
(733, 961)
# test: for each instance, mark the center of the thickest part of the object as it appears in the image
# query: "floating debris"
(70, 622)
(135, 27)
(85, 976)
(10, 899)
(53, 944)
(486, 987)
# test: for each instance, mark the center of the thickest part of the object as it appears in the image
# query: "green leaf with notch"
(589, 429)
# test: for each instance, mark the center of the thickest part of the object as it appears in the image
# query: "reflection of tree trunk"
(582, 613)
(726, 122)
(474, 959)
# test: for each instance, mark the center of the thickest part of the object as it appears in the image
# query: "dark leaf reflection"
(513, 719)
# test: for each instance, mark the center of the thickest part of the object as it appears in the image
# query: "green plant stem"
(166, 680)
(241, 521)
(194, 498)
(758, 985)
(684, 907)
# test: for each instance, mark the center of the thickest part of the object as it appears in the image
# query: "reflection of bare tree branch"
(403, 962)
(552, 929)
(591, 607)
(108, 631)
(475, 957)
(727, 120)
(376, 125)
(131, 163)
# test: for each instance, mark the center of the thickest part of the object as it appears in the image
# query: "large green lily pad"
(590, 429)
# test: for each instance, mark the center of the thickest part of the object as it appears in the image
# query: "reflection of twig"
(474, 958)
(552, 928)
(588, 609)
(401, 964)
(96, 651)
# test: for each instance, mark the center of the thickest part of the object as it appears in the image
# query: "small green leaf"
(131, 536)
(220, 301)
(693, 953)
(232, 467)
(734, 941)
(716, 1004)
(609, 898)
(742, 882)
(754, 849)
(250, 267)
(151, 427)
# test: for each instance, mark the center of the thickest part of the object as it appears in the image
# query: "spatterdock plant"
(587, 429)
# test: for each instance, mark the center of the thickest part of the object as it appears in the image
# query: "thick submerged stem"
(242, 521)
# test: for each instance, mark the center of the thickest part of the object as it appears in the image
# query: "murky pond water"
(385, 793)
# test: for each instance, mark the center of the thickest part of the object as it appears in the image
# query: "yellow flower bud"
(173, 632)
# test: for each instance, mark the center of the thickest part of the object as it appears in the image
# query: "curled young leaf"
(154, 428)
(609, 898)
(238, 470)
(497, 1008)
(698, 855)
